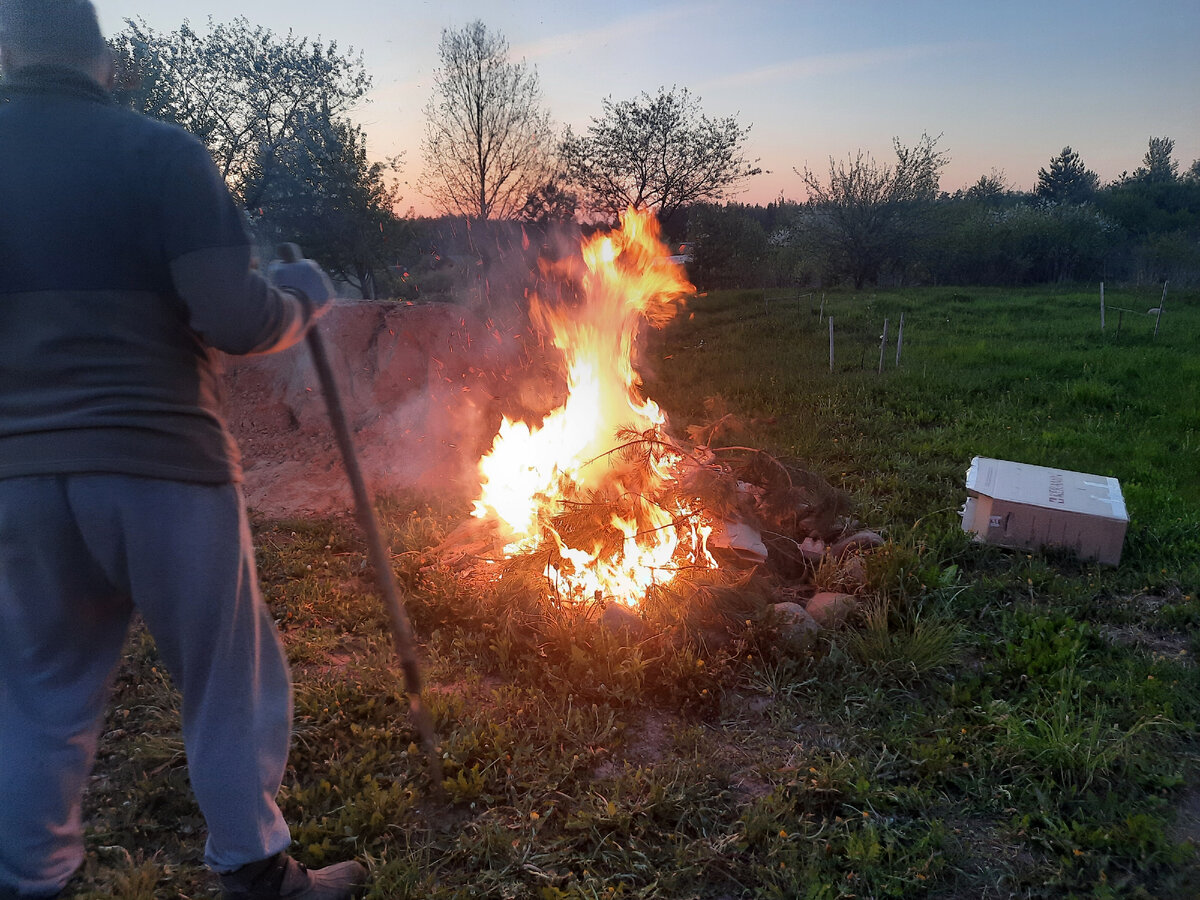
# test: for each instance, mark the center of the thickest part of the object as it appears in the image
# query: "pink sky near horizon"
(1006, 85)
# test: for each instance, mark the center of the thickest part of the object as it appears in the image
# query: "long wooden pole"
(882, 345)
(899, 339)
(1161, 303)
(1102, 306)
(402, 634)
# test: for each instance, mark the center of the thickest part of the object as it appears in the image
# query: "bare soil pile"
(419, 383)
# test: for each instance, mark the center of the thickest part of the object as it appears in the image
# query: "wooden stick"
(403, 641)
(1158, 318)
(899, 339)
(882, 344)
(1102, 306)
(830, 339)
(822, 319)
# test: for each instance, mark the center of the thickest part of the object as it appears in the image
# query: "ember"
(595, 488)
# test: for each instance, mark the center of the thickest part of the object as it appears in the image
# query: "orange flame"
(533, 475)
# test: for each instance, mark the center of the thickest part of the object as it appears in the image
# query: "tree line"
(274, 112)
(863, 222)
(490, 151)
(869, 223)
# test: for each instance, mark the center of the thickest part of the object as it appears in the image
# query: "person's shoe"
(282, 878)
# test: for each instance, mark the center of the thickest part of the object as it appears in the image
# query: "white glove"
(301, 276)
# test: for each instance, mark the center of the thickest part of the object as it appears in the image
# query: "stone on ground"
(793, 621)
(829, 609)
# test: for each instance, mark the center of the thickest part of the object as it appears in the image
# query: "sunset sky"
(1007, 83)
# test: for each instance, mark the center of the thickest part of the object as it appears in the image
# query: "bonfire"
(598, 499)
(593, 489)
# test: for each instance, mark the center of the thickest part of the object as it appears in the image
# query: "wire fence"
(873, 332)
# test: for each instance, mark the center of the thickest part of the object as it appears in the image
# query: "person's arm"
(229, 304)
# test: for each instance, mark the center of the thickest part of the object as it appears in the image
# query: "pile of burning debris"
(598, 508)
(584, 500)
(750, 535)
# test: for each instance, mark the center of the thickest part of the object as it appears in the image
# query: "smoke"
(419, 384)
(507, 264)
(425, 385)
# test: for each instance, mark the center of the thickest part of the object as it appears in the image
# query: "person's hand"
(303, 277)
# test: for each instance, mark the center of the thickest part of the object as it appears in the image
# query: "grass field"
(1021, 375)
(998, 724)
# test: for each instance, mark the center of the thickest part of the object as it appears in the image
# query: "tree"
(246, 93)
(272, 112)
(1157, 165)
(487, 139)
(865, 215)
(1068, 179)
(918, 169)
(990, 189)
(340, 207)
(659, 153)
(550, 203)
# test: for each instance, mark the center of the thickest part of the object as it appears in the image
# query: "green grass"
(996, 724)
(1015, 375)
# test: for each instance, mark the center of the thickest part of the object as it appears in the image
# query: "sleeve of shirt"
(230, 305)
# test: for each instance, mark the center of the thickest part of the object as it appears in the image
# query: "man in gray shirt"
(124, 265)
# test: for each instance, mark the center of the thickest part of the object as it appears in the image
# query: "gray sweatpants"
(77, 554)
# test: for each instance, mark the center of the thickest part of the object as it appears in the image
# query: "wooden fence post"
(899, 339)
(830, 344)
(882, 344)
(1161, 302)
(1102, 306)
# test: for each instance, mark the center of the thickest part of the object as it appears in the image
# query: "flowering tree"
(864, 214)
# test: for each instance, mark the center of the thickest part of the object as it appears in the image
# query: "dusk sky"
(1007, 84)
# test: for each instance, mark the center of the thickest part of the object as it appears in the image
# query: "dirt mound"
(419, 384)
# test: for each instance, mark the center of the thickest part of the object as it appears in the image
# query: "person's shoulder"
(154, 129)
(144, 134)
